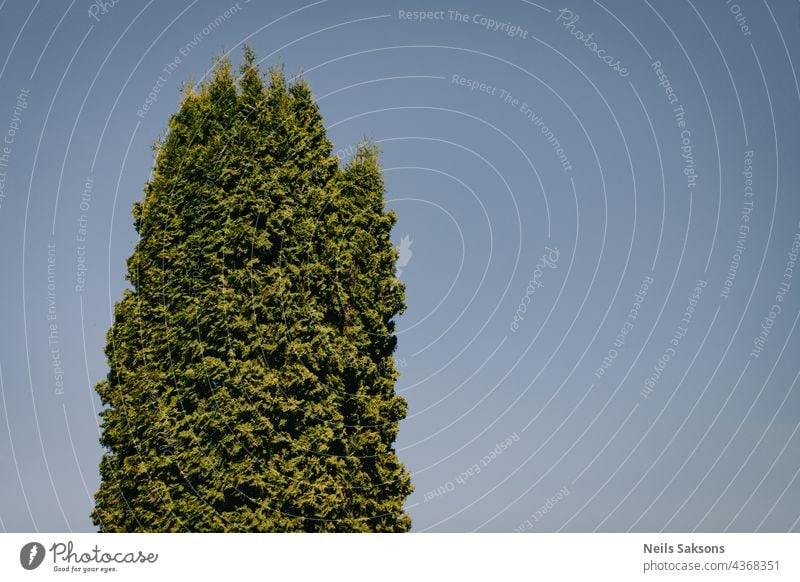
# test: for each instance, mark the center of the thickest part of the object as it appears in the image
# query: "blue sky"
(600, 207)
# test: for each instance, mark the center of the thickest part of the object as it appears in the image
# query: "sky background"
(511, 426)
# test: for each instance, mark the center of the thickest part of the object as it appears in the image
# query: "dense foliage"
(251, 383)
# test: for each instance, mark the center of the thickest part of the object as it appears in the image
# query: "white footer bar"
(403, 557)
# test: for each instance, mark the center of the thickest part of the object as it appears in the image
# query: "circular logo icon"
(31, 555)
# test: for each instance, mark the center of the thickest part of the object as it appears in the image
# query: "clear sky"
(600, 201)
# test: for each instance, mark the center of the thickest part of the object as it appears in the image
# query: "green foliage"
(251, 383)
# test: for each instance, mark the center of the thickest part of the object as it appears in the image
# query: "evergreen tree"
(251, 383)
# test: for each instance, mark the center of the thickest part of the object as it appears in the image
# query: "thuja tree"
(251, 383)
